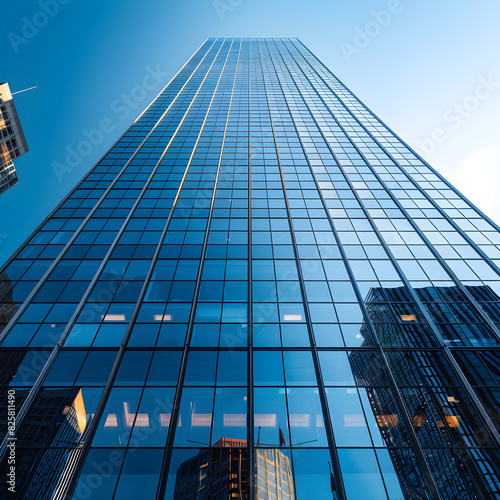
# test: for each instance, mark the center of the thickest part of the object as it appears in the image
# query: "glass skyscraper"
(259, 292)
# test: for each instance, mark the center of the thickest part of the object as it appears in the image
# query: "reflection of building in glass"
(399, 323)
(388, 421)
(57, 463)
(436, 412)
(219, 472)
(274, 479)
(62, 433)
(7, 306)
(12, 141)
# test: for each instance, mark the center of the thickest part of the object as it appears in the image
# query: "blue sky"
(429, 69)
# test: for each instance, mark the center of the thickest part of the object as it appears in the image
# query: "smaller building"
(12, 141)
(215, 473)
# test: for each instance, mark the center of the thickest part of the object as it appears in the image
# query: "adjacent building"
(259, 292)
(12, 140)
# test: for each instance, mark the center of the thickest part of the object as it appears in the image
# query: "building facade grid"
(257, 268)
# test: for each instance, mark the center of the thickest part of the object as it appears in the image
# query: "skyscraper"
(260, 291)
(12, 141)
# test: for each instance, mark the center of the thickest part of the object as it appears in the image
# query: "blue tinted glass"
(201, 368)
(268, 368)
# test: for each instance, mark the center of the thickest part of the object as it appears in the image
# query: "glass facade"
(259, 292)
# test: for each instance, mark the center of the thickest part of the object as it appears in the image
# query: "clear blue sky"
(418, 67)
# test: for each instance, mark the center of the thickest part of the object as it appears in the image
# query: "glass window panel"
(336, 368)
(312, 474)
(200, 368)
(295, 335)
(118, 418)
(230, 415)
(65, 368)
(390, 475)
(299, 368)
(266, 335)
(232, 368)
(360, 473)
(172, 335)
(349, 425)
(268, 368)
(133, 368)
(93, 474)
(205, 335)
(270, 417)
(153, 418)
(29, 368)
(328, 335)
(110, 335)
(306, 418)
(195, 417)
(96, 368)
(140, 474)
(164, 368)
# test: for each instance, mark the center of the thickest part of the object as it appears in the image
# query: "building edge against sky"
(257, 263)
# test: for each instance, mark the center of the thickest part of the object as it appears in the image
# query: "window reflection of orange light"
(265, 420)
(418, 420)
(142, 420)
(165, 419)
(201, 419)
(408, 317)
(452, 420)
(114, 317)
(129, 417)
(111, 421)
(163, 317)
(354, 420)
(235, 419)
(390, 420)
(451, 399)
(292, 317)
(299, 420)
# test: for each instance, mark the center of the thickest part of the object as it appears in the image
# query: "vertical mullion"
(250, 390)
